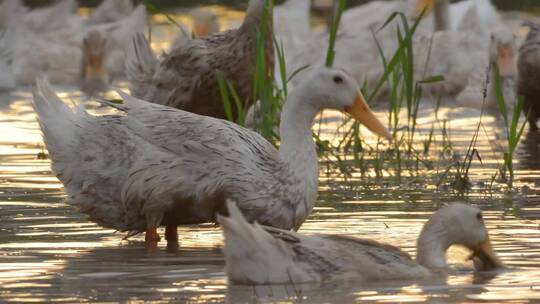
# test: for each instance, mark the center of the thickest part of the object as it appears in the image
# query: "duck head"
(205, 22)
(456, 224)
(502, 52)
(329, 88)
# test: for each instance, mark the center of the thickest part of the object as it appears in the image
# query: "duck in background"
(170, 167)
(529, 74)
(205, 22)
(448, 16)
(502, 50)
(256, 254)
(292, 29)
(110, 11)
(186, 77)
(119, 37)
(50, 41)
(94, 74)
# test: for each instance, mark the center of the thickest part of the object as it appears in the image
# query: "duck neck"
(297, 148)
(255, 14)
(442, 15)
(432, 245)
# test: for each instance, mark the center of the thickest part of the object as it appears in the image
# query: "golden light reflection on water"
(49, 252)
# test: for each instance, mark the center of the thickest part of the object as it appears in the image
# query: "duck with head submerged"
(155, 165)
(186, 77)
(255, 254)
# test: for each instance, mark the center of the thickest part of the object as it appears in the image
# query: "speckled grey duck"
(529, 75)
(154, 165)
(186, 77)
(256, 254)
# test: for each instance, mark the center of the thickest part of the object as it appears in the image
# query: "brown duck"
(529, 75)
(186, 77)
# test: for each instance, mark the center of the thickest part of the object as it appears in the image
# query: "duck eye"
(479, 216)
(338, 79)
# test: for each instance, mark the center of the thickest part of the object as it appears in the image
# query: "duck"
(448, 16)
(185, 78)
(34, 53)
(119, 35)
(155, 165)
(255, 254)
(110, 11)
(205, 22)
(58, 53)
(94, 74)
(502, 50)
(528, 84)
(7, 79)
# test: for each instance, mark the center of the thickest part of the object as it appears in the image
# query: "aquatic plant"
(513, 129)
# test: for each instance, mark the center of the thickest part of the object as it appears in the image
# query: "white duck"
(155, 165)
(110, 11)
(119, 36)
(502, 50)
(259, 255)
(33, 53)
(58, 53)
(448, 16)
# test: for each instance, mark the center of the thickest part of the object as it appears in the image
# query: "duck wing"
(203, 157)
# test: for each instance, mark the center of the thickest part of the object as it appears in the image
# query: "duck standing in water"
(186, 78)
(155, 165)
(529, 75)
(266, 255)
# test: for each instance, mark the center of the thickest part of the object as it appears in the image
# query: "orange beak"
(505, 61)
(361, 112)
(485, 257)
(422, 5)
(202, 29)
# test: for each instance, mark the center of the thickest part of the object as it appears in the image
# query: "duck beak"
(485, 258)
(202, 30)
(505, 61)
(422, 5)
(361, 112)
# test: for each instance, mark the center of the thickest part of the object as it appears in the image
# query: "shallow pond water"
(49, 252)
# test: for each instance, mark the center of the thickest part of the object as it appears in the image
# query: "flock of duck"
(169, 158)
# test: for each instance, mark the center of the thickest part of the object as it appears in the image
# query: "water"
(50, 253)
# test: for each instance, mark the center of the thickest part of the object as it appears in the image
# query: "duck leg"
(171, 233)
(151, 236)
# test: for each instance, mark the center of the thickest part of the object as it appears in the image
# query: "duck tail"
(57, 121)
(140, 65)
(254, 256)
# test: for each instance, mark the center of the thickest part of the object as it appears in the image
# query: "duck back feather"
(86, 166)
(253, 256)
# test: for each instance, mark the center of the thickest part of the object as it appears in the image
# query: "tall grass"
(513, 129)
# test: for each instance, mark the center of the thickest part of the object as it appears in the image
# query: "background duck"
(186, 77)
(442, 16)
(166, 166)
(260, 255)
(55, 49)
(110, 11)
(529, 74)
(502, 52)
(94, 74)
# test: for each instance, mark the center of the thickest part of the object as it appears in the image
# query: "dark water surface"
(49, 252)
